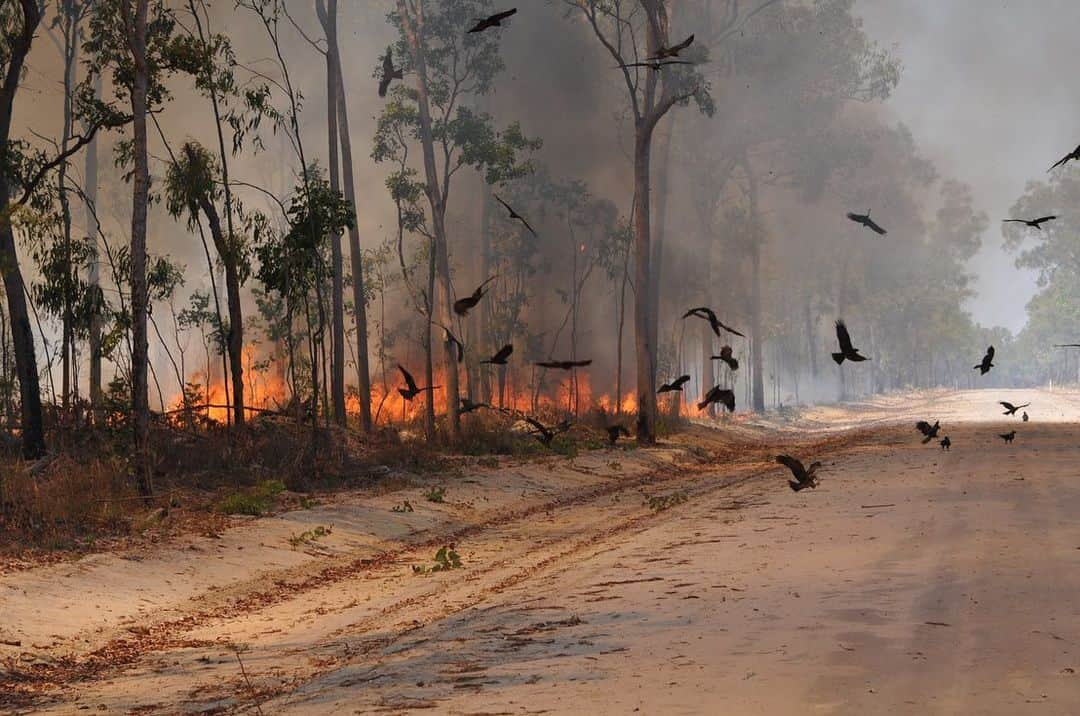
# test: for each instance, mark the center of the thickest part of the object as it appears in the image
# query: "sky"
(989, 91)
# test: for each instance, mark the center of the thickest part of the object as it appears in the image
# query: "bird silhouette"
(564, 364)
(1011, 409)
(656, 65)
(804, 477)
(389, 72)
(1074, 154)
(1033, 223)
(492, 21)
(1067, 345)
(462, 306)
(665, 52)
(945, 443)
(514, 214)
(866, 221)
(929, 431)
(847, 350)
(675, 385)
(1025, 416)
(725, 355)
(614, 431)
(1008, 437)
(500, 356)
(544, 433)
(467, 406)
(987, 362)
(453, 340)
(410, 390)
(708, 314)
(717, 394)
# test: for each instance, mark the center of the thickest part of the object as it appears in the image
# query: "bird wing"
(989, 354)
(527, 225)
(409, 381)
(1067, 345)
(549, 364)
(844, 338)
(857, 218)
(873, 226)
(681, 380)
(1041, 219)
(499, 16)
(580, 363)
(507, 206)
(729, 329)
(1061, 161)
(1007, 405)
(504, 352)
(923, 427)
(682, 45)
(792, 464)
(1015, 221)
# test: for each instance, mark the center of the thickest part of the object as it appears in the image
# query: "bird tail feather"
(838, 357)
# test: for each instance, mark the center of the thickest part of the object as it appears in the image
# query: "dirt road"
(912, 581)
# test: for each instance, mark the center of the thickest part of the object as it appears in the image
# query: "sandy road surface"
(912, 582)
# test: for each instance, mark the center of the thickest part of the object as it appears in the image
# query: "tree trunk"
(363, 377)
(708, 374)
(90, 188)
(756, 338)
(414, 31)
(643, 350)
(657, 241)
(139, 293)
(337, 298)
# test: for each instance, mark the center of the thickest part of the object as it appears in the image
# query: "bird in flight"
(564, 364)
(494, 21)
(727, 357)
(665, 52)
(1074, 154)
(467, 406)
(675, 385)
(514, 214)
(866, 221)
(804, 477)
(1067, 345)
(986, 364)
(500, 356)
(410, 390)
(929, 431)
(453, 340)
(717, 394)
(945, 443)
(847, 350)
(544, 433)
(1008, 437)
(389, 72)
(1033, 223)
(708, 314)
(1011, 409)
(462, 306)
(614, 431)
(656, 65)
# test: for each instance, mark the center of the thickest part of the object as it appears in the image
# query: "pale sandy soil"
(911, 582)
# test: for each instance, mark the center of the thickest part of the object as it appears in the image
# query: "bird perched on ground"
(467, 406)
(929, 431)
(462, 306)
(564, 364)
(717, 394)
(1011, 409)
(710, 316)
(665, 52)
(500, 356)
(945, 443)
(804, 477)
(410, 390)
(866, 221)
(614, 431)
(1074, 154)
(1025, 416)
(675, 385)
(727, 357)
(1008, 437)
(1033, 223)
(514, 214)
(545, 434)
(494, 21)
(987, 362)
(389, 72)
(847, 350)
(656, 66)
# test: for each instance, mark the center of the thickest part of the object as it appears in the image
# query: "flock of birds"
(804, 477)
